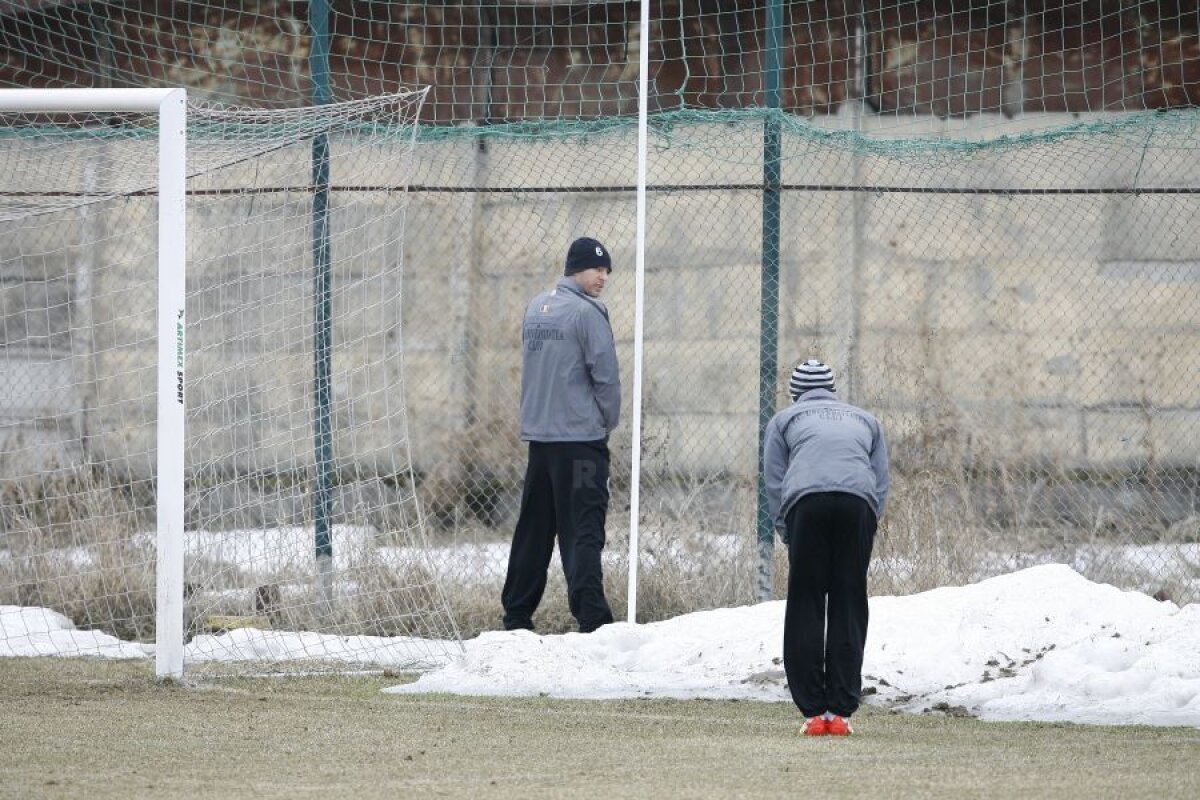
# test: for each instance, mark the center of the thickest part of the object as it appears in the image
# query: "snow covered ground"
(1043, 643)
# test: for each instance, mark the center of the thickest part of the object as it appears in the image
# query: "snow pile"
(1044, 643)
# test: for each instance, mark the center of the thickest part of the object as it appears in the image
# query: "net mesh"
(1019, 313)
(514, 60)
(79, 357)
(984, 227)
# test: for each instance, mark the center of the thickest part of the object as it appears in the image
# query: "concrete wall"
(982, 328)
(1023, 328)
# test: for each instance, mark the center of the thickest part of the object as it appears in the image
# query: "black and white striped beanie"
(812, 374)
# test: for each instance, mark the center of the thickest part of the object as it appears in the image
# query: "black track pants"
(830, 539)
(566, 491)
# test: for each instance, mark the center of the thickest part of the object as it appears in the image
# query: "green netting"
(914, 67)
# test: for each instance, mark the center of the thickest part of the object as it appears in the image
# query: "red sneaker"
(815, 726)
(838, 726)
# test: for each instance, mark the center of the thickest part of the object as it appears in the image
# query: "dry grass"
(341, 737)
(70, 547)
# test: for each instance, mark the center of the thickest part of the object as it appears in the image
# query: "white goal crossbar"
(171, 107)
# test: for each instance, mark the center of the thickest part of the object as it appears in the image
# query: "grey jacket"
(570, 386)
(820, 444)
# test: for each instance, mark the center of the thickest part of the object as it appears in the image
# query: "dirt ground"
(98, 730)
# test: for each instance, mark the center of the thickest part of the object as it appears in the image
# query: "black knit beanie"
(586, 253)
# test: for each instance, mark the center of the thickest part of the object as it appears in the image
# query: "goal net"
(979, 213)
(302, 539)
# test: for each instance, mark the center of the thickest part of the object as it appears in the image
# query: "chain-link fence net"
(1020, 313)
(980, 227)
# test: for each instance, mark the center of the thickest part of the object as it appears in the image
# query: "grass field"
(80, 728)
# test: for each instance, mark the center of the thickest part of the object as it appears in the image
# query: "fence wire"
(1021, 314)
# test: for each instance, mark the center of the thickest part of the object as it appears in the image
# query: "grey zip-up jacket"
(820, 444)
(570, 384)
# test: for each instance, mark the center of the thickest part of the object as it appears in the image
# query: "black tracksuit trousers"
(566, 491)
(830, 536)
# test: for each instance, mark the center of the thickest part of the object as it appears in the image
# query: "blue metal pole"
(322, 304)
(768, 345)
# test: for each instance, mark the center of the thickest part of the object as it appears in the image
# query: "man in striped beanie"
(825, 466)
(812, 374)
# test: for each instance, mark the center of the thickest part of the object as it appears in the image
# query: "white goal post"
(171, 108)
(269, 520)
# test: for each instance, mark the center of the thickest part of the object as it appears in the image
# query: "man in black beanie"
(570, 403)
